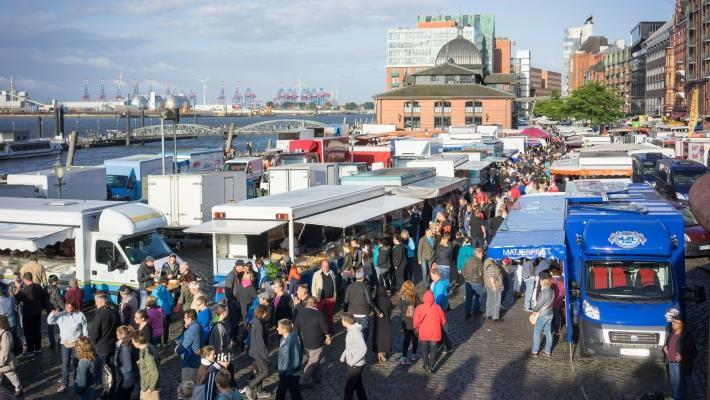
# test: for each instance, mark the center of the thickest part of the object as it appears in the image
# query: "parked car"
(697, 239)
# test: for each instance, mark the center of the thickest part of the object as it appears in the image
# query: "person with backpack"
(8, 362)
(429, 320)
(472, 273)
(88, 370)
(188, 346)
(148, 364)
(125, 362)
(72, 325)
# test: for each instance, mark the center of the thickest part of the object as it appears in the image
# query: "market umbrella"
(533, 132)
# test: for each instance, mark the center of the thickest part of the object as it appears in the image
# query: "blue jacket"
(163, 299)
(189, 346)
(203, 318)
(411, 248)
(441, 293)
(88, 373)
(250, 311)
(290, 356)
(465, 252)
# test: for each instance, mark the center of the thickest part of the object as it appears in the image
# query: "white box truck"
(287, 178)
(84, 183)
(186, 199)
(101, 243)
(200, 160)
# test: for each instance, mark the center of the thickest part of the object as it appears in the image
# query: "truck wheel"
(580, 344)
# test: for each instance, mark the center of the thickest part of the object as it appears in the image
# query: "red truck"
(328, 149)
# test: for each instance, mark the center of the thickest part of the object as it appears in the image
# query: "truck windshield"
(137, 248)
(687, 177)
(234, 167)
(648, 167)
(116, 181)
(628, 279)
(290, 160)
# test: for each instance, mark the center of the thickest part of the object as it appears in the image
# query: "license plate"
(635, 352)
(705, 247)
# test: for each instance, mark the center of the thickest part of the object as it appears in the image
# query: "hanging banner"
(693, 117)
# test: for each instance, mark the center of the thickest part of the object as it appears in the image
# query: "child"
(224, 385)
(156, 318)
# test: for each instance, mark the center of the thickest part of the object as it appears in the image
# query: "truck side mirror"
(695, 293)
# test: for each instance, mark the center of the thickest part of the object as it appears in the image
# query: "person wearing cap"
(680, 353)
(56, 302)
(358, 301)
(493, 280)
(36, 269)
(146, 278)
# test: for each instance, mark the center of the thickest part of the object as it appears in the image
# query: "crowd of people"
(410, 272)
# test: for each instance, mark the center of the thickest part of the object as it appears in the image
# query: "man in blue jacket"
(440, 289)
(188, 346)
(289, 364)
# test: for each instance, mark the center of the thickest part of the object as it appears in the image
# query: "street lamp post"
(59, 170)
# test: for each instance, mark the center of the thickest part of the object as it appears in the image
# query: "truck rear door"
(189, 200)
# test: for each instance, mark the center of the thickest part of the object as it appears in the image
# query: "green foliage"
(591, 102)
(351, 106)
(368, 105)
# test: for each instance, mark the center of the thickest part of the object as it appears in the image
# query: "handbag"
(533, 317)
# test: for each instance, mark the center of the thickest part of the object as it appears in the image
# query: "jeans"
(474, 297)
(353, 383)
(290, 383)
(676, 380)
(364, 321)
(68, 358)
(426, 266)
(50, 333)
(409, 337)
(477, 242)
(517, 272)
(507, 285)
(544, 323)
(529, 287)
(143, 297)
(311, 371)
(428, 354)
(493, 298)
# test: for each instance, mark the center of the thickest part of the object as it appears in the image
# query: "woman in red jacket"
(429, 321)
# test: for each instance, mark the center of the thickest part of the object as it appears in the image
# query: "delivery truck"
(287, 178)
(126, 176)
(100, 243)
(186, 199)
(675, 176)
(200, 160)
(84, 183)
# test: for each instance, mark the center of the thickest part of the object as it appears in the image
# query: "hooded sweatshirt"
(429, 318)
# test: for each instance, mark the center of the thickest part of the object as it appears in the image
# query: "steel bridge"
(194, 130)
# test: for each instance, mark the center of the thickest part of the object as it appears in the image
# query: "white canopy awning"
(26, 237)
(235, 226)
(429, 188)
(473, 165)
(360, 212)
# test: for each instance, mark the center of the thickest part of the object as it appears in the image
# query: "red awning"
(535, 133)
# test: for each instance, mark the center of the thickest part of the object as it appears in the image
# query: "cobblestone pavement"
(489, 362)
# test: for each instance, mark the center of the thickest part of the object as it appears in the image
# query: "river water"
(96, 156)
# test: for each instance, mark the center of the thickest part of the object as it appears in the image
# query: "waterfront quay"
(489, 362)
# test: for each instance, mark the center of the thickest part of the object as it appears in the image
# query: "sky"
(51, 47)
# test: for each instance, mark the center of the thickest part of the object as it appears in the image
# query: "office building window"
(412, 107)
(442, 122)
(411, 123)
(442, 107)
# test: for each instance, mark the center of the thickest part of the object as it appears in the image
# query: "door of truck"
(109, 265)
(189, 198)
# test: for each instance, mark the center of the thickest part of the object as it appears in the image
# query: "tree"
(351, 106)
(552, 109)
(368, 105)
(270, 104)
(594, 103)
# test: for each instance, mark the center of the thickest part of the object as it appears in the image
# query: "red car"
(697, 239)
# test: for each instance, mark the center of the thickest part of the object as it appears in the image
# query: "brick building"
(676, 99)
(501, 55)
(455, 91)
(617, 74)
(544, 82)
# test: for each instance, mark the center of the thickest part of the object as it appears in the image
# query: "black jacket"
(686, 349)
(125, 360)
(257, 335)
(102, 330)
(358, 299)
(144, 278)
(444, 255)
(219, 337)
(399, 256)
(33, 299)
(246, 296)
(232, 284)
(311, 325)
(383, 258)
(284, 309)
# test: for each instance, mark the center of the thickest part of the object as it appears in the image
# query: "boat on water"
(16, 144)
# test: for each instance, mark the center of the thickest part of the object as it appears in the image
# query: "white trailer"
(186, 199)
(287, 178)
(101, 243)
(445, 164)
(418, 147)
(85, 183)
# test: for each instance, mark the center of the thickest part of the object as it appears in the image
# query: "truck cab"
(254, 169)
(297, 158)
(626, 267)
(677, 176)
(644, 167)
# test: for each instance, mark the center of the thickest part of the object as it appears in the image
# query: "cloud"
(27, 84)
(98, 62)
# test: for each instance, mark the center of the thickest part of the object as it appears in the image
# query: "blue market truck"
(625, 267)
(127, 176)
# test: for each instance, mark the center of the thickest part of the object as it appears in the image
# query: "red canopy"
(535, 133)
